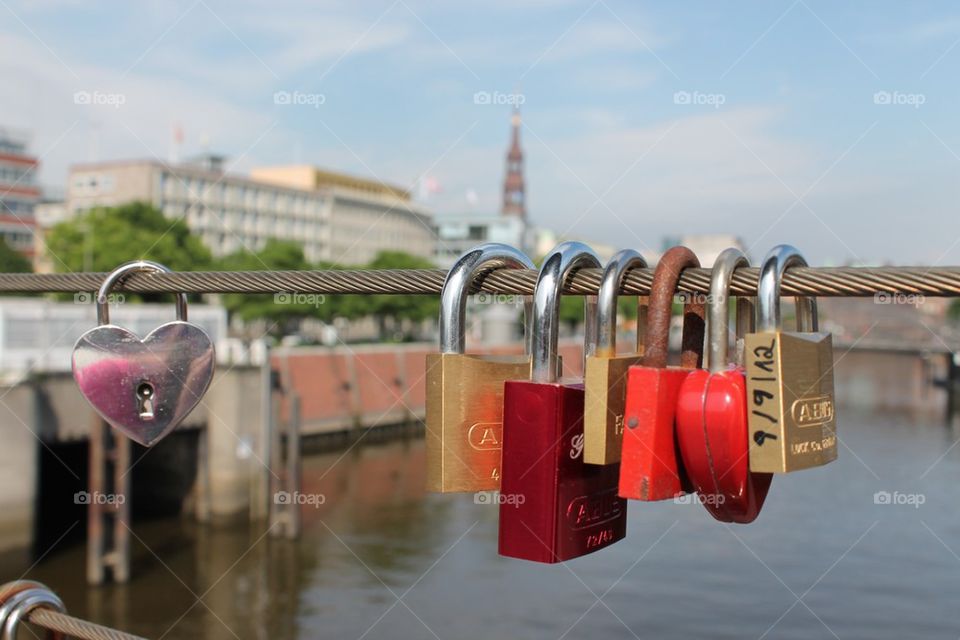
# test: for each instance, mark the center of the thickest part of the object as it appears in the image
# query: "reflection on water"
(379, 559)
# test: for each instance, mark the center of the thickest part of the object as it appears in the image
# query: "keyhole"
(145, 393)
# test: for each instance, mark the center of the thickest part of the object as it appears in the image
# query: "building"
(19, 192)
(514, 186)
(366, 216)
(458, 233)
(335, 218)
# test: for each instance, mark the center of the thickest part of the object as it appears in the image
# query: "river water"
(381, 559)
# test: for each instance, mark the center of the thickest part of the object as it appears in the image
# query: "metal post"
(285, 514)
(203, 507)
(260, 502)
(108, 505)
(293, 466)
(95, 532)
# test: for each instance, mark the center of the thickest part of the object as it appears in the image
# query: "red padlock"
(712, 414)
(553, 506)
(650, 467)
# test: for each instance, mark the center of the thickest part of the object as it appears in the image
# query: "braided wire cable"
(75, 627)
(818, 281)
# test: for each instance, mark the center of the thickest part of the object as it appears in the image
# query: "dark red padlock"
(553, 506)
(650, 467)
(712, 414)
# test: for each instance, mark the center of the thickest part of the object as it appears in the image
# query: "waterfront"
(381, 559)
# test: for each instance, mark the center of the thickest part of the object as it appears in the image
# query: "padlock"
(789, 379)
(650, 466)
(553, 506)
(605, 372)
(143, 387)
(712, 412)
(465, 391)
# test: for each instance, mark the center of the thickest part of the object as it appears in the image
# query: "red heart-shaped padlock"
(712, 432)
(713, 438)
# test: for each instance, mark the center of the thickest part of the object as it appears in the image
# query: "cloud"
(45, 98)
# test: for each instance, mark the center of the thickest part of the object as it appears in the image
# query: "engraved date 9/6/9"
(763, 396)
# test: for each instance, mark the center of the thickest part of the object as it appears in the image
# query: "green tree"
(106, 237)
(953, 312)
(391, 310)
(12, 261)
(284, 310)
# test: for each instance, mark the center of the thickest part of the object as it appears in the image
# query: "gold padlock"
(464, 421)
(790, 399)
(605, 372)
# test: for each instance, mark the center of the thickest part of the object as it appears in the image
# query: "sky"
(831, 126)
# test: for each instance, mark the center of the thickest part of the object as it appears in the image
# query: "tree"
(105, 237)
(391, 310)
(12, 261)
(284, 309)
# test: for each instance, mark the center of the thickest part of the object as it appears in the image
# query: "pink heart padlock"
(143, 387)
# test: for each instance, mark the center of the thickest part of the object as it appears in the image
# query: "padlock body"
(790, 401)
(714, 445)
(650, 467)
(553, 507)
(605, 382)
(176, 361)
(464, 422)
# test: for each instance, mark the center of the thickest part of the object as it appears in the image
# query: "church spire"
(514, 198)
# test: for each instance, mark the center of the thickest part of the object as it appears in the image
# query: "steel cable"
(819, 281)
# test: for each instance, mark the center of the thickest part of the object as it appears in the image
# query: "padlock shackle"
(476, 263)
(657, 336)
(118, 274)
(613, 274)
(718, 311)
(560, 263)
(775, 264)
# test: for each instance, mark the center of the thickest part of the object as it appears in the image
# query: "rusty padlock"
(789, 379)
(553, 506)
(605, 372)
(712, 412)
(650, 466)
(465, 391)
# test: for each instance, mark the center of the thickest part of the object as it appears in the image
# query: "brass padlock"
(464, 422)
(605, 372)
(790, 399)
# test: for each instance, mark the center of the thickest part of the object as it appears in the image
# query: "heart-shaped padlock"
(712, 414)
(143, 387)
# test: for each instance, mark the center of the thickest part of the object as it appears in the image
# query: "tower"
(514, 198)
